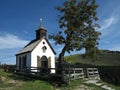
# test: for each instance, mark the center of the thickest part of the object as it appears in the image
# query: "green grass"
(2, 73)
(104, 59)
(72, 86)
(16, 82)
(75, 83)
(25, 83)
(35, 85)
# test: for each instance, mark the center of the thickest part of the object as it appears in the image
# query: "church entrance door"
(44, 64)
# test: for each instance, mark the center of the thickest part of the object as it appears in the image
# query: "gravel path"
(82, 87)
(100, 84)
(92, 81)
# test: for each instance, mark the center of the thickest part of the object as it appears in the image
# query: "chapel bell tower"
(40, 32)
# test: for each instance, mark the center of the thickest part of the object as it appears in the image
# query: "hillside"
(104, 59)
(10, 81)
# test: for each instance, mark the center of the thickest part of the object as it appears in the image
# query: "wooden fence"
(74, 73)
(77, 73)
(34, 70)
(93, 73)
(69, 73)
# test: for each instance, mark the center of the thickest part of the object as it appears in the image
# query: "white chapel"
(37, 53)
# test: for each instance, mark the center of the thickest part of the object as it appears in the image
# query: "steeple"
(41, 26)
(40, 32)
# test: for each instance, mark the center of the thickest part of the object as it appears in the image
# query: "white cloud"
(115, 47)
(11, 41)
(110, 45)
(108, 22)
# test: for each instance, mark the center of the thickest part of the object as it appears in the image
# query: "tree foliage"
(77, 21)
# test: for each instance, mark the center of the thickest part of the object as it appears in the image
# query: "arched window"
(24, 61)
(19, 62)
(44, 48)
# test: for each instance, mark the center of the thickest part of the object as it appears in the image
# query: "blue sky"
(20, 18)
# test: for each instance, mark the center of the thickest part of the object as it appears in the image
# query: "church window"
(43, 42)
(19, 62)
(44, 48)
(24, 61)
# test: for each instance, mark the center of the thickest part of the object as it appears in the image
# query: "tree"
(78, 23)
(90, 44)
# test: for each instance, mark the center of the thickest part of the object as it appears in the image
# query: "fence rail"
(93, 73)
(74, 73)
(69, 73)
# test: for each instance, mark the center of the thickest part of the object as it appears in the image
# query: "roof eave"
(22, 53)
(50, 46)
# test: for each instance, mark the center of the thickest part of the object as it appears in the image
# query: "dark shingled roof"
(30, 46)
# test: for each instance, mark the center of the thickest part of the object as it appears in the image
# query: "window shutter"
(20, 62)
(38, 61)
(49, 62)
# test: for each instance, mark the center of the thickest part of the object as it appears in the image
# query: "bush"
(110, 74)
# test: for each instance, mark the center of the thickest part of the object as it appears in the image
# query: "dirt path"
(83, 87)
(94, 82)
(99, 84)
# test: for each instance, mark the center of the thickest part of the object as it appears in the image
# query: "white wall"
(39, 52)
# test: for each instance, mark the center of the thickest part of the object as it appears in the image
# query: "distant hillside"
(105, 59)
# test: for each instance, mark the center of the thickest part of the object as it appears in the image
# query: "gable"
(32, 45)
(44, 47)
(50, 46)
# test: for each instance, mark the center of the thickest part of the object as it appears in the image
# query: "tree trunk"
(86, 50)
(60, 64)
(61, 55)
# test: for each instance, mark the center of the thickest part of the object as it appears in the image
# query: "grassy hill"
(104, 59)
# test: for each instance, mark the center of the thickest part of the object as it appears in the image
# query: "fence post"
(69, 73)
(74, 74)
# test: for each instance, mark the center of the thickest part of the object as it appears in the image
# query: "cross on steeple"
(41, 22)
